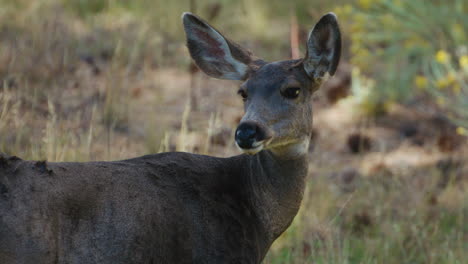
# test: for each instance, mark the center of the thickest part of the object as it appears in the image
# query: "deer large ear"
(323, 48)
(214, 54)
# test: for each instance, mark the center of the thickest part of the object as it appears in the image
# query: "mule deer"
(180, 207)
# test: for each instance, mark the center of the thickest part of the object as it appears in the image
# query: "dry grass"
(106, 85)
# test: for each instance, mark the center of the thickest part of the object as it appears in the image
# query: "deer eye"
(243, 94)
(291, 92)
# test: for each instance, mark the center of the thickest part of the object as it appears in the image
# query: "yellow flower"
(442, 57)
(420, 81)
(448, 80)
(464, 62)
(462, 131)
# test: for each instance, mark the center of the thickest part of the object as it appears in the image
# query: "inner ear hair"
(214, 54)
(323, 48)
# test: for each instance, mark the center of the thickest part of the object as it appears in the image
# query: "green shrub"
(412, 47)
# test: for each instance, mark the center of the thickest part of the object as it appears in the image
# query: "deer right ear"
(213, 53)
(323, 48)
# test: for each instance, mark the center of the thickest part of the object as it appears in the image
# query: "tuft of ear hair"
(323, 48)
(214, 54)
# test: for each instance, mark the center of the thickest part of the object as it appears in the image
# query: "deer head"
(276, 95)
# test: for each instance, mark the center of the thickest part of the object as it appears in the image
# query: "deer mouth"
(256, 147)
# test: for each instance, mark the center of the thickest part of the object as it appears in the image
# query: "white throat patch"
(297, 149)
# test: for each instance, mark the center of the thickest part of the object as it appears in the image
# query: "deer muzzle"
(252, 137)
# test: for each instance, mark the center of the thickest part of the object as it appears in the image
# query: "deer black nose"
(246, 134)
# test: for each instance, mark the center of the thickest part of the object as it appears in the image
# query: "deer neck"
(276, 187)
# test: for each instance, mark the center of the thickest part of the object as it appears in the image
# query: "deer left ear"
(323, 48)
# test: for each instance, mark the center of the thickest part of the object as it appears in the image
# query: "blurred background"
(88, 80)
